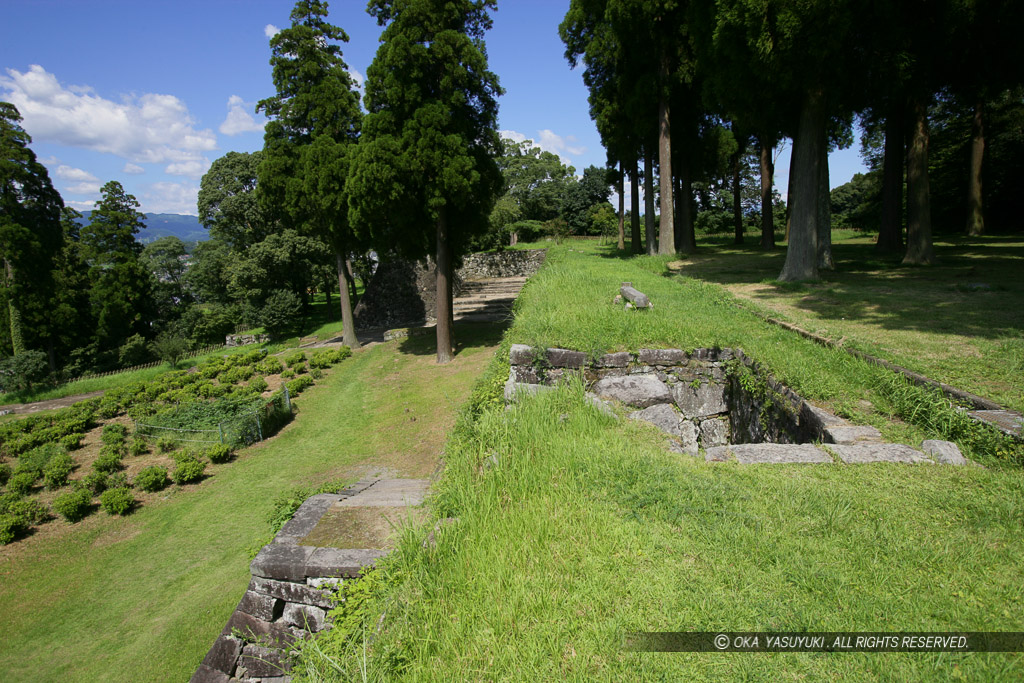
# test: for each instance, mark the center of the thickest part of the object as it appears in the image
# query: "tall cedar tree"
(315, 121)
(121, 286)
(430, 138)
(30, 231)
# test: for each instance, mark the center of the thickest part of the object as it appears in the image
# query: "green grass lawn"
(957, 322)
(587, 528)
(142, 598)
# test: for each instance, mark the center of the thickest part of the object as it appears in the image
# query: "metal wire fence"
(242, 429)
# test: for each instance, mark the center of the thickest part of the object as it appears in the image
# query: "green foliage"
(169, 347)
(132, 352)
(20, 372)
(217, 453)
(294, 358)
(151, 479)
(21, 483)
(299, 368)
(235, 375)
(11, 527)
(114, 434)
(71, 441)
(25, 434)
(299, 384)
(5, 473)
(73, 505)
(94, 482)
(188, 469)
(57, 470)
(280, 312)
(108, 461)
(117, 501)
(258, 384)
(34, 462)
(316, 373)
(270, 365)
(166, 444)
(137, 447)
(286, 504)
(288, 374)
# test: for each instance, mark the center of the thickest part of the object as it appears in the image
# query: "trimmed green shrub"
(35, 460)
(189, 469)
(299, 384)
(56, 472)
(107, 462)
(118, 480)
(166, 444)
(218, 453)
(325, 358)
(30, 510)
(94, 482)
(71, 441)
(73, 505)
(7, 499)
(288, 374)
(294, 358)
(21, 483)
(151, 479)
(138, 447)
(271, 365)
(117, 501)
(236, 375)
(258, 384)
(299, 368)
(11, 527)
(316, 373)
(5, 473)
(114, 434)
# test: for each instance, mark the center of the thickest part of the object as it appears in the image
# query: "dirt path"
(52, 404)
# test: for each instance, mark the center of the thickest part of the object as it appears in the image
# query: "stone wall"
(701, 399)
(403, 293)
(287, 599)
(245, 339)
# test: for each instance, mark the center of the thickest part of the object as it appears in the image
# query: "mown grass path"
(141, 598)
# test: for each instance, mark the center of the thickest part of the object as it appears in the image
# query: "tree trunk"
(666, 233)
(513, 239)
(802, 251)
(622, 208)
(684, 200)
(348, 325)
(919, 212)
(443, 292)
(975, 208)
(790, 192)
(636, 243)
(767, 181)
(17, 329)
(649, 203)
(737, 207)
(890, 233)
(825, 261)
(350, 271)
(327, 292)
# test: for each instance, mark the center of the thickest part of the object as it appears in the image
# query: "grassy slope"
(587, 528)
(141, 598)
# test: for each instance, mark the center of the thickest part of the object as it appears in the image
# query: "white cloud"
(549, 141)
(270, 30)
(192, 169)
(132, 169)
(49, 161)
(166, 197)
(239, 119)
(74, 174)
(358, 78)
(81, 206)
(85, 187)
(148, 128)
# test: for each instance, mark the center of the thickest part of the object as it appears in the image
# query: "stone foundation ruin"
(719, 402)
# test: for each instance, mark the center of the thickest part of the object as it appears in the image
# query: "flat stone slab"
(514, 389)
(878, 452)
(223, 655)
(944, 452)
(283, 562)
(847, 433)
(1005, 420)
(305, 518)
(342, 563)
(388, 493)
(661, 356)
(769, 453)
(641, 391)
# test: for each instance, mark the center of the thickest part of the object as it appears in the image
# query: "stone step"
(768, 453)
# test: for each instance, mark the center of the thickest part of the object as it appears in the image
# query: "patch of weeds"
(285, 505)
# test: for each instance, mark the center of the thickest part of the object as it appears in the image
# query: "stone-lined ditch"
(717, 402)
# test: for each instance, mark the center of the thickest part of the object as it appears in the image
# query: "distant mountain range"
(186, 228)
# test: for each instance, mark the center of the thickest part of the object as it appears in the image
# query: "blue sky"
(150, 92)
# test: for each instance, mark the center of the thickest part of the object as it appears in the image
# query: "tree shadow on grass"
(466, 336)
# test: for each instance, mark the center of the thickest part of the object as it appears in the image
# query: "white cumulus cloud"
(192, 169)
(270, 30)
(357, 78)
(549, 141)
(239, 119)
(132, 169)
(65, 172)
(148, 128)
(167, 197)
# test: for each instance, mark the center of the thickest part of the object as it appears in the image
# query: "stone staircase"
(487, 300)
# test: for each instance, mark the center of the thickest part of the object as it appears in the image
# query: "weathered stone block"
(714, 432)
(602, 406)
(260, 661)
(717, 454)
(205, 674)
(813, 421)
(290, 592)
(688, 437)
(565, 358)
(635, 296)
(848, 433)
(322, 583)
(521, 354)
(777, 453)
(636, 390)
(335, 562)
(614, 360)
(305, 518)
(285, 562)
(265, 607)
(224, 654)
(663, 416)
(251, 628)
(878, 452)
(700, 401)
(515, 389)
(527, 374)
(305, 617)
(661, 356)
(944, 452)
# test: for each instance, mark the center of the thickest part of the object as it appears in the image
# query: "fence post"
(287, 399)
(259, 425)
(220, 430)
